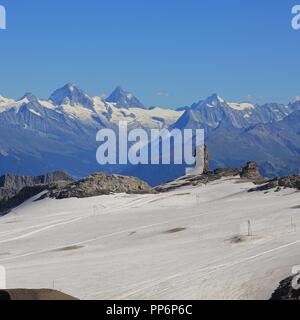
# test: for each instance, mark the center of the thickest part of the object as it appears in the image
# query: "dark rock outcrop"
(206, 160)
(11, 184)
(250, 172)
(25, 194)
(226, 172)
(100, 184)
(285, 291)
(17, 189)
(292, 181)
(14, 190)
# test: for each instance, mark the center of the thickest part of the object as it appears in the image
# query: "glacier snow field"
(207, 242)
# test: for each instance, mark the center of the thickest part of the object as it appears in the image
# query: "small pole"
(249, 229)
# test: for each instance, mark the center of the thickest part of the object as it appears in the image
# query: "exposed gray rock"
(292, 181)
(100, 184)
(15, 182)
(249, 172)
(14, 190)
(11, 184)
(227, 172)
(25, 194)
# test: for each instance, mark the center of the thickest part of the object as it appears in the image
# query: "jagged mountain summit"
(39, 135)
(123, 99)
(70, 94)
(214, 110)
(30, 97)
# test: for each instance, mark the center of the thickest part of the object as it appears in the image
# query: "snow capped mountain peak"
(71, 86)
(71, 94)
(124, 99)
(214, 99)
(28, 97)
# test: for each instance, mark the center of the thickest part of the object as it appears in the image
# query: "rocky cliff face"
(11, 184)
(100, 184)
(14, 201)
(15, 182)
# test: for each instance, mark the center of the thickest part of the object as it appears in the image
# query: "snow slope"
(166, 246)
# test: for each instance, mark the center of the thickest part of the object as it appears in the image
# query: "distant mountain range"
(238, 132)
(39, 135)
(210, 113)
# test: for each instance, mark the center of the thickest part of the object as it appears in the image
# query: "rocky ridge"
(292, 181)
(14, 189)
(11, 184)
(100, 184)
(249, 172)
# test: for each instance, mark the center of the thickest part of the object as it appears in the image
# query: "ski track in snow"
(126, 231)
(212, 269)
(51, 226)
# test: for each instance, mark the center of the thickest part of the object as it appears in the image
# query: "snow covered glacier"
(190, 243)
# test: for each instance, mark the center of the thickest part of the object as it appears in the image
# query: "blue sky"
(169, 53)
